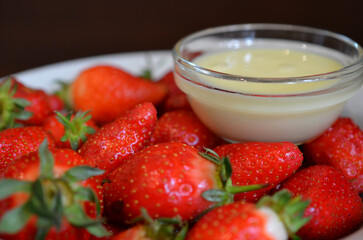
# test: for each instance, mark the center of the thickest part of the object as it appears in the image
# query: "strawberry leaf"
(52, 199)
(46, 160)
(15, 219)
(216, 195)
(11, 186)
(24, 115)
(290, 210)
(87, 194)
(75, 129)
(43, 227)
(11, 108)
(226, 170)
(80, 173)
(146, 74)
(77, 217)
(211, 156)
(163, 228)
(181, 235)
(37, 203)
(98, 230)
(57, 209)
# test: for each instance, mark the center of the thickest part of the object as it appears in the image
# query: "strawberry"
(60, 201)
(154, 229)
(40, 105)
(109, 92)
(275, 217)
(14, 142)
(341, 146)
(184, 126)
(25, 106)
(260, 163)
(169, 81)
(113, 143)
(336, 208)
(55, 102)
(175, 99)
(167, 179)
(137, 232)
(191, 55)
(71, 130)
(12, 108)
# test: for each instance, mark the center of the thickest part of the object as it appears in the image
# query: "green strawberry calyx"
(225, 194)
(52, 199)
(289, 209)
(64, 93)
(75, 129)
(162, 228)
(11, 108)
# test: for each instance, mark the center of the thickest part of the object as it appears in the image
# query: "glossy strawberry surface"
(341, 146)
(237, 220)
(109, 92)
(335, 209)
(166, 179)
(113, 143)
(14, 142)
(260, 163)
(184, 126)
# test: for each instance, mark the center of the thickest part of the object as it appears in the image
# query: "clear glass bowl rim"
(352, 68)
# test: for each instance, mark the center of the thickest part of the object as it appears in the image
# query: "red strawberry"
(184, 126)
(15, 142)
(138, 232)
(25, 105)
(274, 217)
(176, 99)
(260, 163)
(150, 229)
(39, 105)
(336, 208)
(341, 146)
(109, 92)
(52, 202)
(12, 108)
(55, 103)
(168, 180)
(169, 81)
(113, 143)
(71, 130)
(191, 55)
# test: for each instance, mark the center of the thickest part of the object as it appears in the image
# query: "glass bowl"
(243, 108)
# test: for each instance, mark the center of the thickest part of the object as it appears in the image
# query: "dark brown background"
(34, 33)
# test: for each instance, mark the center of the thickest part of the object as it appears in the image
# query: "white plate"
(161, 62)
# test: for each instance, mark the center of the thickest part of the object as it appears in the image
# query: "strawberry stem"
(226, 193)
(75, 129)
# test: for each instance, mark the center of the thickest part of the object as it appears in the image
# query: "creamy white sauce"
(268, 63)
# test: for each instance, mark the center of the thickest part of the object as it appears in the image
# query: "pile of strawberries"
(130, 160)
